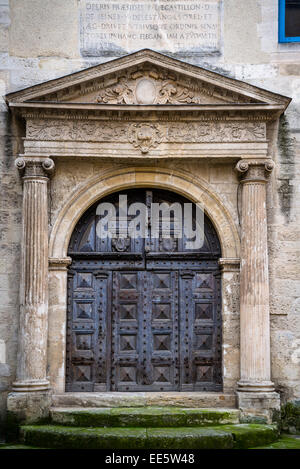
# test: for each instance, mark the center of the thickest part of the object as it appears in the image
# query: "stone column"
(254, 285)
(33, 325)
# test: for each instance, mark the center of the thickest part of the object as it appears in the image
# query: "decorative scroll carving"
(77, 130)
(146, 135)
(35, 168)
(158, 86)
(255, 170)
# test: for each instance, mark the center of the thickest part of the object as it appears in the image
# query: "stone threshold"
(141, 399)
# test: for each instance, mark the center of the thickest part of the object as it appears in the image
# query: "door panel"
(200, 337)
(143, 314)
(162, 353)
(127, 307)
(87, 335)
(144, 331)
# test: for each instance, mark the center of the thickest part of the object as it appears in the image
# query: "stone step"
(143, 417)
(219, 437)
(142, 399)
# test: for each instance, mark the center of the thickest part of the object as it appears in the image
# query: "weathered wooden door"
(143, 314)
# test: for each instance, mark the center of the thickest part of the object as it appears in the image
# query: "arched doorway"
(143, 314)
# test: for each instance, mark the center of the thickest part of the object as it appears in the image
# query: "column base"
(255, 386)
(33, 385)
(259, 407)
(26, 408)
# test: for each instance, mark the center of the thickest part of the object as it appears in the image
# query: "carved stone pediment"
(145, 78)
(146, 105)
(146, 84)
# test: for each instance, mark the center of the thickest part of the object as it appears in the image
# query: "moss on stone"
(143, 417)
(50, 436)
(249, 435)
(219, 437)
(290, 417)
(189, 438)
(284, 442)
(12, 424)
(18, 446)
(11, 427)
(253, 419)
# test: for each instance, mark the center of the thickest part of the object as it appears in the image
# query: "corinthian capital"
(35, 167)
(255, 170)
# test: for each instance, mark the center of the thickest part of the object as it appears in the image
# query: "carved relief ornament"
(157, 86)
(146, 135)
(34, 168)
(255, 171)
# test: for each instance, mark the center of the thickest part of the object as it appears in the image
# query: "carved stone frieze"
(146, 135)
(217, 132)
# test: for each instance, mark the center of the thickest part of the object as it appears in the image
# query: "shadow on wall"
(287, 167)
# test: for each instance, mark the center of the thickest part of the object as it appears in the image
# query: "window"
(289, 20)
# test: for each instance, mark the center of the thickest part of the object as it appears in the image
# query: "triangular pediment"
(146, 78)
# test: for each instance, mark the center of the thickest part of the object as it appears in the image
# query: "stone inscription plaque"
(118, 27)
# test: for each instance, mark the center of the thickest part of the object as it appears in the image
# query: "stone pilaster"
(230, 274)
(58, 269)
(33, 325)
(254, 282)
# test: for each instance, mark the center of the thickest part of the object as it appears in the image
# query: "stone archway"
(144, 313)
(195, 115)
(194, 188)
(96, 188)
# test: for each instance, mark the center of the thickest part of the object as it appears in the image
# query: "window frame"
(281, 23)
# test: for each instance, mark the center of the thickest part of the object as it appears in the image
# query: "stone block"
(48, 28)
(3, 39)
(259, 406)
(114, 27)
(4, 13)
(29, 407)
(241, 37)
(4, 370)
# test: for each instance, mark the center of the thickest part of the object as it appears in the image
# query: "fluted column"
(254, 279)
(33, 326)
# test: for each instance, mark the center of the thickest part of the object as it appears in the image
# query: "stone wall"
(45, 39)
